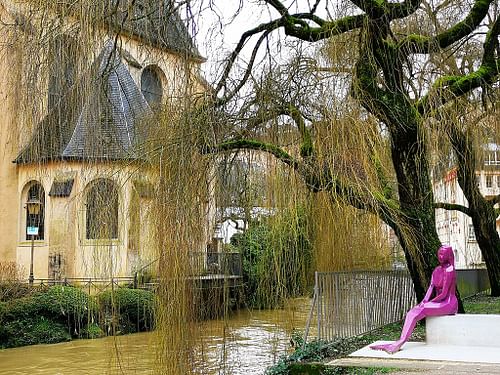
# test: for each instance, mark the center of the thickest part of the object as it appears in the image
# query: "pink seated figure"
(444, 301)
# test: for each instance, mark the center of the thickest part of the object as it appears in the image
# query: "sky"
(218, 31)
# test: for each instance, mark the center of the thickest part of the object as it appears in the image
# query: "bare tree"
(391, 45)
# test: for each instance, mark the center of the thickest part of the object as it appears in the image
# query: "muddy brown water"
(246, 343)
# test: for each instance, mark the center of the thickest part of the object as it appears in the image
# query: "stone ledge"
(464, 330)
(423, 351)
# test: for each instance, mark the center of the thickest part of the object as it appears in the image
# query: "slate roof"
(99, 118)
(61, 188)
(155, 21)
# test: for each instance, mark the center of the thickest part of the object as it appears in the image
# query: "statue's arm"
(428, 294)
(447, 284)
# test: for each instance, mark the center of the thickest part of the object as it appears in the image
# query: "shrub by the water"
(59, 313)
(92, 331)
(133, 308)
(46, 316)
(67, 304)
(31, 331)
(276, 258)
(58, 302)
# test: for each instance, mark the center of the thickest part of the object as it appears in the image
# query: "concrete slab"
(427, 352)
(464, 329)
(408, 366)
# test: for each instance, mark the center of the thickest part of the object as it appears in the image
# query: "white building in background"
(244, 194)
(454, 227)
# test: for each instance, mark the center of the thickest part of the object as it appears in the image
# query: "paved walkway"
(449, 371)
(419, 367)
(421, 358)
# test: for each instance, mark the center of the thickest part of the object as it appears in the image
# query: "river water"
(246, 343)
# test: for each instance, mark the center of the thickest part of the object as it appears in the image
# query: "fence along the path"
(351, 303)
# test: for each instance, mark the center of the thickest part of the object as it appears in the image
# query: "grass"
(482, 304)
(310, 359)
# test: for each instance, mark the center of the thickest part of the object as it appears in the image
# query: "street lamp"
(33, 206)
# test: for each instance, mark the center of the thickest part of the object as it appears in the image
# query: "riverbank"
(53, 314)
(244, 343)
(310, 359)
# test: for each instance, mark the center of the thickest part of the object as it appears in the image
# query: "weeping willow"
(158, 189)
(148, 194)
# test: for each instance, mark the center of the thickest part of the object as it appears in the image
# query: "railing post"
(318, 301)
(135, 280)
(309, 318)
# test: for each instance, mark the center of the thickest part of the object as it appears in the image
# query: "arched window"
(101, 214)
(35, 220)
(61, 69)
(151, 85)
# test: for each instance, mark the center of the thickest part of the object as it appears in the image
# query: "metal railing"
(89, 284)
(200, 264)
(351, 303)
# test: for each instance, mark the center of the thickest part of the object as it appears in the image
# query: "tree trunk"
(417, 234)
(481, 211)
(483, 219)
(415, 224)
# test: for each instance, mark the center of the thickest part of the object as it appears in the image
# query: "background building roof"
(99, 118)
(156, 22)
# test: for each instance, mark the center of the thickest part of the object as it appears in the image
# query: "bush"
(22, 308)
(67, 303)
(32, 331)
(276, 258)
(130, 310)
(92, 331)
(53, 315)
(10, 290)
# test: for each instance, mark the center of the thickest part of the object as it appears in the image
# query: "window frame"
(152, 95)
(471, 233)
(489, 181)
(95, 208)
(30, 219)
(62, 69)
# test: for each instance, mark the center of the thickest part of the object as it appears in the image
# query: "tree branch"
(450, 87)
(401, 10)
(452, 207)
(294, 25)
(316, 180)
(306, 148)
(373, 8)
(387, 190)
(286, 109)
(326, 30)
(267, 28)
(416, 43)
(376, 203)
(250, 144)
(495, 200)
(278, 5)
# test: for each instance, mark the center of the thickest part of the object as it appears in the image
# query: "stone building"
(80, 159)
(456, 228)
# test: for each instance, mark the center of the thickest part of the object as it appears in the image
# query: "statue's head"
(445, 255)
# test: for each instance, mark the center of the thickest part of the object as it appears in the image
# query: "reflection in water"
(246, 343)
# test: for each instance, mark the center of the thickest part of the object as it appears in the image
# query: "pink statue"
(444, 302)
